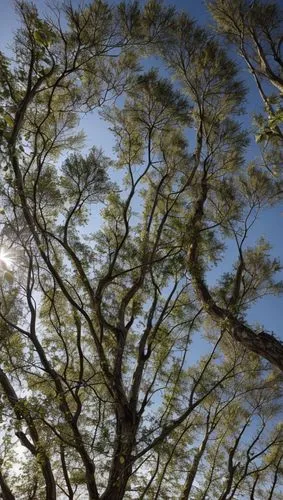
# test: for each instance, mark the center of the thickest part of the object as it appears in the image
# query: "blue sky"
(268, 311)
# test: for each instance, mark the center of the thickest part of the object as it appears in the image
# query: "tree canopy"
(111, 263)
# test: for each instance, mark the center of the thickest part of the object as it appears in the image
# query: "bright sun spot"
(5, 258)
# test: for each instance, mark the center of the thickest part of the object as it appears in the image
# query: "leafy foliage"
(103, 391)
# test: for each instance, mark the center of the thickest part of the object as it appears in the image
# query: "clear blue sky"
(270, 225)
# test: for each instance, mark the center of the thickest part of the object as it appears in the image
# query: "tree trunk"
(6, 492)
(121, 468)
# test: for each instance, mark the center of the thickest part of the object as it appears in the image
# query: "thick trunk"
(120, 474)
(262, 343)
(121, 468)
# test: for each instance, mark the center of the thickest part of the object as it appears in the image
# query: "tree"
(255, 28)
(99, 395)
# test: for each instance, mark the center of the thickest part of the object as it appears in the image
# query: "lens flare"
(6, 259)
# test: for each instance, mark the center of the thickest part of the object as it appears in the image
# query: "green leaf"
(9, 120)
(259, 138)
(40, 37)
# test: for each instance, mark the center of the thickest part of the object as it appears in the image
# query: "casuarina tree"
(108, 263)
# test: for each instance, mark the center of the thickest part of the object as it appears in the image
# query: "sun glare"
(6, 259)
